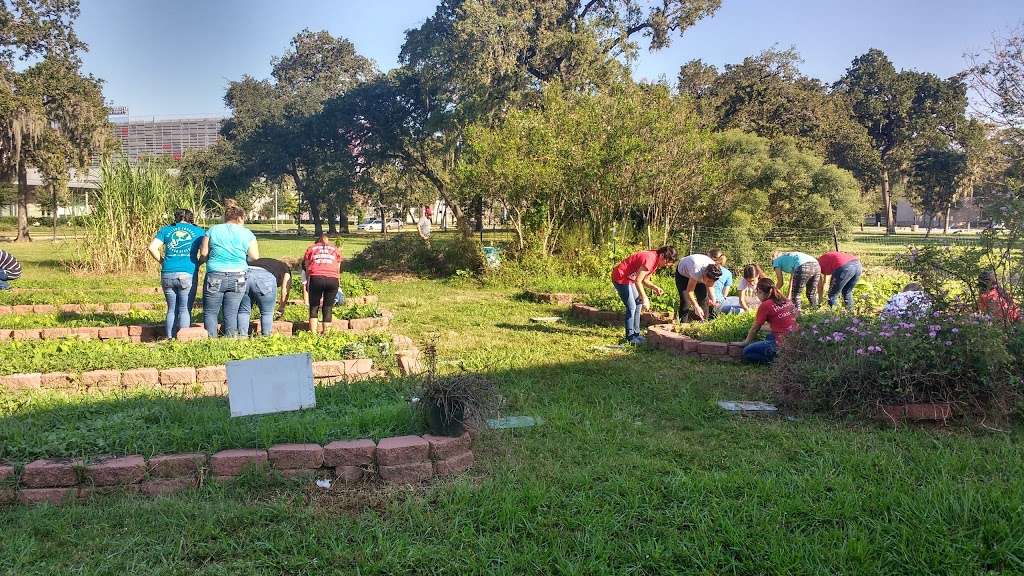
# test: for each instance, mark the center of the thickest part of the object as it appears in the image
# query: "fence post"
(835, 237)
(693, 231)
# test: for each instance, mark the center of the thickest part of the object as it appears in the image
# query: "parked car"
(374, 225)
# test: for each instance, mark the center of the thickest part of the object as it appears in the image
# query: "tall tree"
(274, 123)
(52, 116)
(902, 111)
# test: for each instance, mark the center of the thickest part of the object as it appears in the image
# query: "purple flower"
(948, 343)
(955, 330)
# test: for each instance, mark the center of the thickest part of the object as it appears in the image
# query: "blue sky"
(176, 58)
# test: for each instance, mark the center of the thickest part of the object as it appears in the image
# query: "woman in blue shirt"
(805, 274)
(179, 264)
(227, 249)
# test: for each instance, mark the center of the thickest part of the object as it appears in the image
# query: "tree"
(475, 59)
(997, 78)
(51, 116)
(935, 182)
(593, 158)
(275, 123)
(768, 95)
(901, 111)
(771, 187)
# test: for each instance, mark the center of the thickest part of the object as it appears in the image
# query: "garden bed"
(665, 337)
(615, 318)
(560, 298)
(400, 460)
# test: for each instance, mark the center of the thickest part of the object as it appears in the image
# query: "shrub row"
(400, 459)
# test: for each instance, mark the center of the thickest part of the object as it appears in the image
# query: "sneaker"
(637, 340)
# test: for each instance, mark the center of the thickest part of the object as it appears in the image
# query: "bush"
(409, 253)
(850, 364)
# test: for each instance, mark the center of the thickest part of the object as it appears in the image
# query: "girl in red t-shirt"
(994, 301)
(322, 263)
(780, 314)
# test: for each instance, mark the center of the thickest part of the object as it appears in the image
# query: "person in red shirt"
(631, 276)
(322, 263)
(845, 270)
(780, 314)
(994, 301)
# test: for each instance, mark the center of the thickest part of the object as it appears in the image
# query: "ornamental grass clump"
(852, 364)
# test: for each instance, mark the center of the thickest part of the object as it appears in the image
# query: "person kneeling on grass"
(10, 269)
(631, 276)
(695, 276)
(780, 313)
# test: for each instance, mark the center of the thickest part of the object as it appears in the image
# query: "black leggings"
(322, 288)
(700, 293)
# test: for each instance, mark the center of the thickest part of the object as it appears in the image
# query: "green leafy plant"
(851, 364)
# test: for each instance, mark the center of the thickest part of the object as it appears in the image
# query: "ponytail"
(768, 287)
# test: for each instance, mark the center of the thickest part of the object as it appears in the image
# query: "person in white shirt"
(695, 275)
(912, 302)
(423, 225)
(747, 300)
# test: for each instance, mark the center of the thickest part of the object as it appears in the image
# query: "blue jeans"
(260, 286)
(629, 296)
(731, 309)
(4, 285)
(179, 292)
(843, 280)
(222, 290)
(761, 352)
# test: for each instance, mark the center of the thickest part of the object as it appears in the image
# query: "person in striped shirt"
(10, 269)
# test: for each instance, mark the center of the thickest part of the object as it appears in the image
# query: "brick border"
(398, 460)
(155, 332)
(209, 380)
(613, 318)
(560, 298)
(664, 337)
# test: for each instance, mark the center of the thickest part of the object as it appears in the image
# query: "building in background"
(139, 137)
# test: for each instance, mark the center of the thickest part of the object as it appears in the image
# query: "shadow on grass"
(541, 328)
(42, 423)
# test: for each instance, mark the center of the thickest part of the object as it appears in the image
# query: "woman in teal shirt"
(805, 275)
(176, 248)
(227, 250)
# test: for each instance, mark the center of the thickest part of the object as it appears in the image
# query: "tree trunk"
(332, 221)
(317, 217)
(945, 222)
(23, 234)
(54, 219)
(343, 217)
(383, 224)
(890, 222)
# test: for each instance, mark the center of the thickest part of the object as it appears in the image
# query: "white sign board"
(266, 385)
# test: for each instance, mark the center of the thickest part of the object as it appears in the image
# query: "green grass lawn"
(634, 471)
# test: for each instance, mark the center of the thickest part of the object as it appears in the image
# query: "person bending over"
(780, 313)
(695, 275)
(844, 270)
(804, 271)
(632, 277)
(322, 263)
(266, 279)
(10, 269)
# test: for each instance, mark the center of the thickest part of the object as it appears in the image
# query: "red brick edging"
(154, 332)
(613, 318)
(209, 380)
(561, 298)
(400, 460)
(664, 337)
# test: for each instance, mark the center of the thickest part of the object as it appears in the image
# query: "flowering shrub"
(850, 364)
